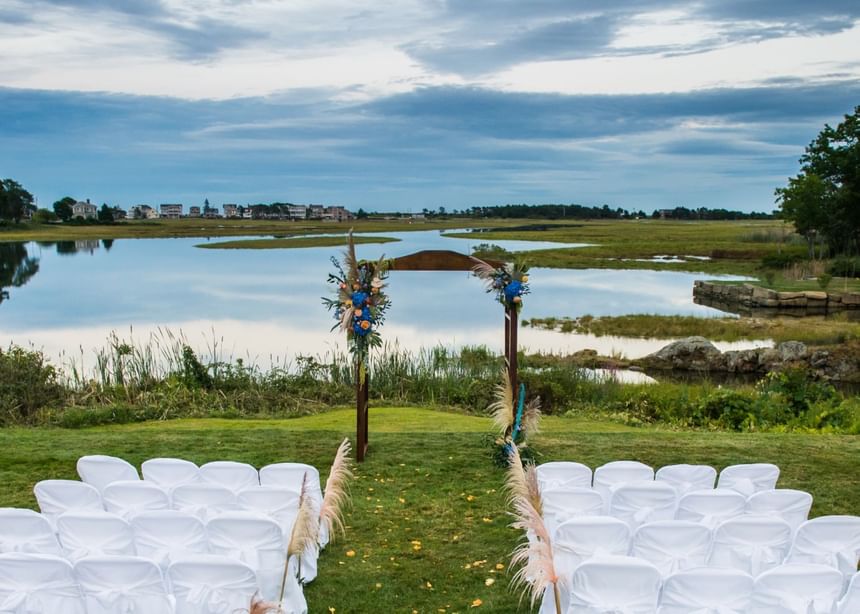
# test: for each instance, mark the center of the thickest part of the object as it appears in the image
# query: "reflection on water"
(17, 267)
(267, 302)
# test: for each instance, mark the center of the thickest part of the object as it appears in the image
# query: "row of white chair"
(199, 584)
(633, 586)
(744, 478)
(159, 536)
(752, 544)
(168, 473)
(640, 502)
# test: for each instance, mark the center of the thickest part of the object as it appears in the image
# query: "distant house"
(193, 211)
(247, 213)
(170, 210)
(141, 212)
(119, 213)
(230, 210)
(85, 210)
(297, 212)
(316, 212)
(336, 214)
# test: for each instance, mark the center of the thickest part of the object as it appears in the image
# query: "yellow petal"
(477, 603)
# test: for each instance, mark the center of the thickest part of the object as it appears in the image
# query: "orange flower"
(358, 313)
(365, 324)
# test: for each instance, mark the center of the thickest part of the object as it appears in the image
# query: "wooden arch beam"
(437, 260)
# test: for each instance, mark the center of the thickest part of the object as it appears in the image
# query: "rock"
(787, 296)
(764, 294)
(742, 361)
(790, 351)
(852, 298)
(815, 295)
(692, 354)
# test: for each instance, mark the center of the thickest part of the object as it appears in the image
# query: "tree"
(105, 214)
(42, 216)
(361, 214)
(826, 192)
(14, 200)
(16, 267)
(63, 208)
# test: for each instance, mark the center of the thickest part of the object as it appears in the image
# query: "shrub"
(845, 267)
(28, 383)
(780, 261)
(732, 409)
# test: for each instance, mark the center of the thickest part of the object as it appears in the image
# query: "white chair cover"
(128, 499)
(203, 500)
(561, 474)
(797, 589)
(672, 545)
(27, 531)
(254, 540)
(791, 505)
(561, 504)
(750, 543)
(578, 540)
(616, 585)
(122, 585)
(829, 540)
(611, 475)
(209, 584)
(749, 479)
(56, 497)
(686, 478)
(279, 504)
(640, 502)
(290, 475)
(100, 470)
(168, 473)
(167, 535)
(706, 590)
(230, 474)
(850, 602)
(38, 584)
(91, 533)
(710, 507)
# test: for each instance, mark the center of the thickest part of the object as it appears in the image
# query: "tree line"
(823, 199)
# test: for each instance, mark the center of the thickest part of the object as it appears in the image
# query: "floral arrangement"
(360, 304)
(514, 426)
(510, 282)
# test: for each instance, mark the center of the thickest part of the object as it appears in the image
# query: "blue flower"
(359, 298)
(512, 290)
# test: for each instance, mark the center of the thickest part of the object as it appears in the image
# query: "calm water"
(66, 298)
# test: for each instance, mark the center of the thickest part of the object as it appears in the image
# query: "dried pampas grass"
(307, 527)
(502, 408)
(258, 606)
(336, 491)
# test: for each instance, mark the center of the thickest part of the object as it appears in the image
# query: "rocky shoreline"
(740, 298)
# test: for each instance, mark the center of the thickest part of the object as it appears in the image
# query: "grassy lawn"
(292, 243)
(428, 530)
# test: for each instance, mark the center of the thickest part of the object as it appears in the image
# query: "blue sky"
(420, 103)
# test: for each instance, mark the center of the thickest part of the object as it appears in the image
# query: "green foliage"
(781, 260)
(15, 201)
(28, 383)
(845, 267)
(43, 216)
(63, 208)
(824, 280)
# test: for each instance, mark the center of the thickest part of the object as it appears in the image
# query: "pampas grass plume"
(336, 491)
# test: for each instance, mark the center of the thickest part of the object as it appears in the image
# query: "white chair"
(290, 475)
(168, 473)
(230, 474)
(203, 500)
(791, 505)
(561, 504)
(27, 531)
(254, 540)
(749, 479)
(279, 504)
(797, 589)
(167, 535)
(640, 502)
(38, 584)
(56, 497)
(91, 533)
(209, 584)
(710, 507)
(127, 499)
(706, 590)
(122, 584)
(611, 475)
(100, 470)
(750, 543)
(829, 540)
(850, 602)
(615, 584)
(578, 540)
(686, 478)
(562, 474)
(672, 545)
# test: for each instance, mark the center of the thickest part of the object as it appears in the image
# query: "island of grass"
(292, 243)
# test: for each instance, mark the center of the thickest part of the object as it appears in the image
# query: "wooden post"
(511, 321)
(362, 395)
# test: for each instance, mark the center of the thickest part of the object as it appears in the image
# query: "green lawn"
(428, 527)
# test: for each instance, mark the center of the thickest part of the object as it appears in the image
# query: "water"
(259, 304)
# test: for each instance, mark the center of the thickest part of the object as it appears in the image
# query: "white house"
(170, 210)
(84, 210)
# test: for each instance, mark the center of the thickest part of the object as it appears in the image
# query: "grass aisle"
(428, 527)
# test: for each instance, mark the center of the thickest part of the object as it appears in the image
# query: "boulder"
(852, 298)
(790, 351)
(742, 361)
(815, 295)
(692, 354)
(788, 296)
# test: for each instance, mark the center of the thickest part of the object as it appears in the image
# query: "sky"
(414, 104)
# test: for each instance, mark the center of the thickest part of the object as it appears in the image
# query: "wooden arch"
(433, 260)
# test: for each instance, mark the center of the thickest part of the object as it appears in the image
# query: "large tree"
(63, 208)
(824, 198)
(15, 201)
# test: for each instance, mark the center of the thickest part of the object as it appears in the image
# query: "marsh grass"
(293, 243)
